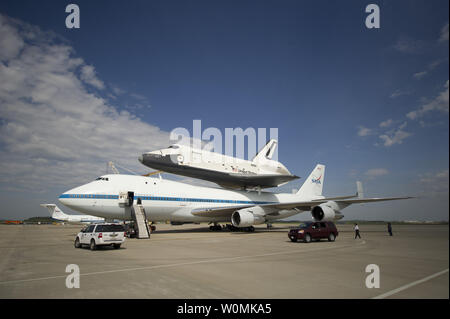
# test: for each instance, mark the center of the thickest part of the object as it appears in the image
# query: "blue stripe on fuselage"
(163, 198)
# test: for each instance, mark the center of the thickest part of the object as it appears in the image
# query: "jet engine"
(247, 217)
(324, 212)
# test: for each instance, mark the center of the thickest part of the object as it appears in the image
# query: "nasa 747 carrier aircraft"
(110, 195)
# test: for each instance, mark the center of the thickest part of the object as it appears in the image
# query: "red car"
(314, 231)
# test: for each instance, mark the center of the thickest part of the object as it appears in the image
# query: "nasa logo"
(317, 180)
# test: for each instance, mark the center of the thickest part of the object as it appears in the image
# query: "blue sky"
(371, 104)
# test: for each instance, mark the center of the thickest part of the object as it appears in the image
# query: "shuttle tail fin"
(266, 152)
(314, 183)
(55, 211)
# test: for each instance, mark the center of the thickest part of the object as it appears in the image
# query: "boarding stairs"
(141, 223)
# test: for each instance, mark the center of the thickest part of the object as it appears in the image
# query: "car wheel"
(116, 246)
(307, 238)
(77, 243)
(331, 237)
(93, 246)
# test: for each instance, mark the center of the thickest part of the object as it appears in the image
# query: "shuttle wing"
(264, 181)
(300, 205)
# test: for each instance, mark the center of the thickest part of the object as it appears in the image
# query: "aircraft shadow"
(207, 230)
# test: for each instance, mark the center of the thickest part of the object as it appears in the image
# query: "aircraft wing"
(218, 211)
(371, 200)
(227, 211)
(264, 181)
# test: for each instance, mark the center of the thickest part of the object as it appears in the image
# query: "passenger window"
(90, 229)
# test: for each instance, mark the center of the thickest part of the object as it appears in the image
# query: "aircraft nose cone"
(63, 198)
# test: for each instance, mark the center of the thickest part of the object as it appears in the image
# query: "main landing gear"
(218, 227)
(215, 227)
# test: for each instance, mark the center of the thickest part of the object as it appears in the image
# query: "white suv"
(101, 235)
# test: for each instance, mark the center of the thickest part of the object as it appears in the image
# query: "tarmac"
(190, 262)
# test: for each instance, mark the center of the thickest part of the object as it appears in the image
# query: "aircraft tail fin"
(55, 211)
(266, 152)
(314, 183)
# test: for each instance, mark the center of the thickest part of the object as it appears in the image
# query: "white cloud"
(138, 96)
(10, 41)
(386, 123)
(420, 75)
(444, 34)
(364, 131)
(435, 64)
(89, 76)
(408, 45)
(435, 184)
(376, 172)
(117, 90)
(395, 136)
(439, 103)
(54, 132)
(398, 93)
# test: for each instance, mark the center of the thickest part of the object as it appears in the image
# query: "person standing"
(389, 229)
(356, 228)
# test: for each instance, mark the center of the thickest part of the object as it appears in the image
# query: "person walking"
(356, 228)
(389, 229)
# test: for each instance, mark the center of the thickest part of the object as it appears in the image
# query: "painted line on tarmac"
(394, 291)
(224, 259)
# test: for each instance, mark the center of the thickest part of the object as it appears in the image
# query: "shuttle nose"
(156, 160)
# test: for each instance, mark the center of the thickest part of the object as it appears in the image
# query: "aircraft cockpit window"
(174, 146)
(102, 179)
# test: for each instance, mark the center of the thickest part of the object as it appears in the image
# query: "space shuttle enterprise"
(227, 171)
